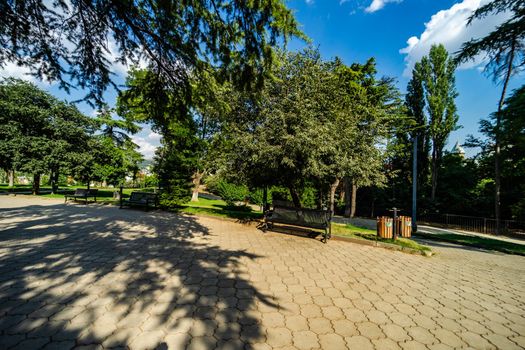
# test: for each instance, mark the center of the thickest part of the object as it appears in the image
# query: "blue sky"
(396, 32)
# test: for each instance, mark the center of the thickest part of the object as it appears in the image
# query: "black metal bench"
(141, 199)
(303, 217)
(82, 193)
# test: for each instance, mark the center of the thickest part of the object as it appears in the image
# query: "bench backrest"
(282, 203)
(311, 217)
(81, 192)
(143, 197)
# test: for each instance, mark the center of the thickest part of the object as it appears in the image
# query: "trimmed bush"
(231, 193)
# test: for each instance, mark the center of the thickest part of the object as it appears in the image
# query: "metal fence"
(473, 223)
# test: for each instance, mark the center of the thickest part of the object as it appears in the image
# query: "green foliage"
(440, 93)
(174, 37)
(512, 124)
(256, 196)
(232, 193)
(149, 99)
(38, 132)
(415, 103)
(43, 135)
(151, 181)
(315, 123)
(212, 183)
(505, 45)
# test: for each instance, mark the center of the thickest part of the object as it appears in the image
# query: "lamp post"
(414, 186)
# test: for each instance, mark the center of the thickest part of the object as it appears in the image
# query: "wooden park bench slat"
(82, 193)
(141, 199)
(303, 217)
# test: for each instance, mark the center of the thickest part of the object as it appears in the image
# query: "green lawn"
(104, 195)
(478, 242)
(21, 188)
(364, 233)
(219, 208)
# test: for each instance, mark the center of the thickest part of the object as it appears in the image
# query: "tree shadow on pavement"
(75, 275)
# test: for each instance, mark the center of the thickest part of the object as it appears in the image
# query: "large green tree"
(505, 49)
(440, 93)
(375, 102)
(304, 128)
(76, 42)
(512, 130)
(168, 109)
(415, 103)
(39, 134)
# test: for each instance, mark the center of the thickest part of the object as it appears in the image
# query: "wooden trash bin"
(384, 227)
(404, 226)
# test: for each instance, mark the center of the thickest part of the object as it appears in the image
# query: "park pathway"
(98, 277)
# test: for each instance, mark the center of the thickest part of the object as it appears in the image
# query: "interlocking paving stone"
(278, 337)
(359, 342)
(98, 277)
(305, 340)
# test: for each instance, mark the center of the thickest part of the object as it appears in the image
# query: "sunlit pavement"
(75, 275)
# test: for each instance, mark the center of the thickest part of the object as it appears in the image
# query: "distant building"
(457, 149)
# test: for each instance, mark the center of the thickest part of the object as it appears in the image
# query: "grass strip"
(477, 242)
(353, 231)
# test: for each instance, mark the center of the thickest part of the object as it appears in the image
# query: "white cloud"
(377, 5)
(309, 2)
(449, 27)
(154, 136)
(11, 69)
(146, 146)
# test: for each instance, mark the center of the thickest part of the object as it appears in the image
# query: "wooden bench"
(141, 199)
(302, 217)
(82, 193)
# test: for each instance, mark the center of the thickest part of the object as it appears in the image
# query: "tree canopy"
(40, 134)
(308, 126)
(76, 42)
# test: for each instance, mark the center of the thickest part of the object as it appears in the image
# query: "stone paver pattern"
(93, 276)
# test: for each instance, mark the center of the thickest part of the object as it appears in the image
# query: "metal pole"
(414, 187)
(394, 229)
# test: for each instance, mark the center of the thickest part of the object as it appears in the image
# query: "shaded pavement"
(75, 275)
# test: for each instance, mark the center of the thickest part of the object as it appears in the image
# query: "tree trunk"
(36, 184)
(350, 198)
(320, 195)
(353, 206)
(265, 199)
(333, 188)
(347, 197)
(497, 146)
(53, 177)
(197, 177)
(295, 196)
(434, 172)
(11, 175)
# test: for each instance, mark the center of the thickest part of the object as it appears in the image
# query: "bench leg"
(325, 236)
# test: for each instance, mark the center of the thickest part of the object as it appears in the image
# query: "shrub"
(232, 193)
(212, 183)
(256, 196)
(280, 193)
